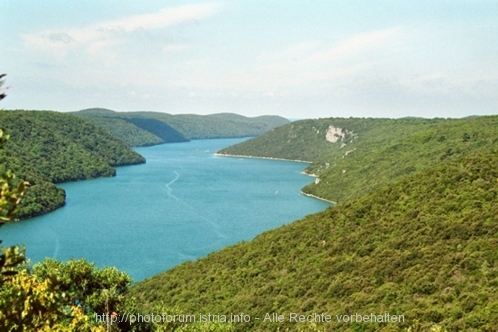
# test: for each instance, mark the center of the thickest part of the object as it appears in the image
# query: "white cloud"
(101, 36)
(293, 52)
(356, 45)
(164, 18)
(61, 37)
(173, 48)
(319, 62)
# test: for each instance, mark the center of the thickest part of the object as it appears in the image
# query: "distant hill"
(50, 147)
(125, 131)
(96, 112)
(273, 121)
(224, 125)
(352, 156)
(181, 127)
(423, 247)
(159, 129)
(131, 130)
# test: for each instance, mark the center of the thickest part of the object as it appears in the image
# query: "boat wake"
(169, 191)
(191, 209)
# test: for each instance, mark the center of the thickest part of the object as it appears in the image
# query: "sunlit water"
(183, 204)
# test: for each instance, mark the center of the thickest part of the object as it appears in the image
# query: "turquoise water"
(183, 204)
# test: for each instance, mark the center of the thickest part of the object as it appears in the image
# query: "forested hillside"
(188, 126)
(423, 247)
(49, 147)
(307, 139)
(224, 125)
(159, 129)
(414, 233)
(133, 131)
(359, 155)
(127, 132)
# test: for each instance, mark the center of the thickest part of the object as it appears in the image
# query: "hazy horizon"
(293, 59)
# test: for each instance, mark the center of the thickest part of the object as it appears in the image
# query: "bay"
(184, 203)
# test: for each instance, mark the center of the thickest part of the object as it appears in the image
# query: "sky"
(297, 59)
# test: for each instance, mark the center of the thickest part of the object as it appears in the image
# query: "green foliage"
(159, 129)
(223, 125)
(10, 197)
(423, 246)
(134, 131)
(177, 326)
(189, 126)
(30, 304)
(374, 152)
(93, 290)
(300, 140)
(42, 197)
(64, 296)
(125, 131)
(51, 147)
(11, 259)
(41, 303)
(26, 303)
(10, 194)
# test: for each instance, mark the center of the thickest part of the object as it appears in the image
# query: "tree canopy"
(50, 147)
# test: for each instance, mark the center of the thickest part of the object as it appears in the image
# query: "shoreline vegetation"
(320, 198)
(346, 152)
(435, 262)
(152, 128)
(281, 159)
(256, 157)
(49, 147)
(413, 231)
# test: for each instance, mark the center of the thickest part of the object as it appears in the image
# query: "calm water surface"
(183, 204)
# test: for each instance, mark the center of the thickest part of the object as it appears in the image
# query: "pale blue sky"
(297, 59)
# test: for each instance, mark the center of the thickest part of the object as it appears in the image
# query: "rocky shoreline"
(317, 197)
(271, 158)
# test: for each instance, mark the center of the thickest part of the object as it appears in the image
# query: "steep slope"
(159, 129)
(223, 125)
(355, 156)
(50, 147)
(273, 121)
(307, 139)
(133, 131)
(97, 111)
(423, 247)
(361, 168)
(125, 131)
(192, 126)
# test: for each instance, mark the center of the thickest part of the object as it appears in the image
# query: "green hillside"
(159, 129)
(49, 147)
(273, 121)
(414, 233)
(224, 125)
(372, 152)
(306, 139)
(423, 247)
(192, 126)
(133, 131)
(127, 132)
